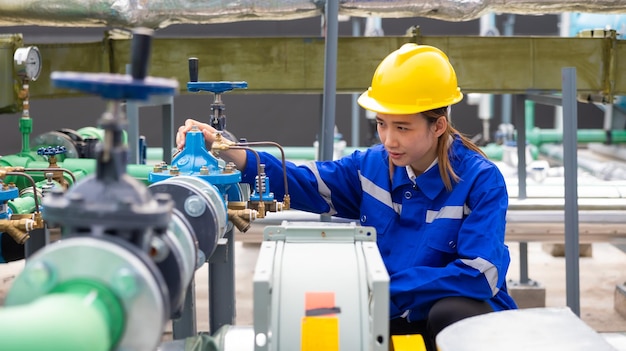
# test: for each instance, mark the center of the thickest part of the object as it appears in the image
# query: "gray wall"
(289, 119)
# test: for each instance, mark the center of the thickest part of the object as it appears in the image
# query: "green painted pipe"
(80, 315)
(26, 127)
(80, 167)
(543, 136)
(529, 115)
(98, 133)
(24, 204)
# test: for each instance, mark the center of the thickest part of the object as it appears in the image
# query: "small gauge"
(28, 62)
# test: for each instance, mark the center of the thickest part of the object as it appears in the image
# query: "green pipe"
(79, 315)
(26, 127)
(529, 113)
(80, 167)
(98, 133)
(543, 136)
(23, 205)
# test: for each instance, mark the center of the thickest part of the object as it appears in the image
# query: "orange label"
(320, 326)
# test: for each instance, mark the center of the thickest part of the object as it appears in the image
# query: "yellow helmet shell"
(414, 78)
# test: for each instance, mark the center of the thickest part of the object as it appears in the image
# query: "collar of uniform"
(411, 173)
(430, 182)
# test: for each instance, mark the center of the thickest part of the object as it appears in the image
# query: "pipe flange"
(206, 214)
(121, 267)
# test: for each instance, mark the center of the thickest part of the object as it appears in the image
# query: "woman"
(438, 205)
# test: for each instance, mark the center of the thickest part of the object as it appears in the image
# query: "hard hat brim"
(371, 104)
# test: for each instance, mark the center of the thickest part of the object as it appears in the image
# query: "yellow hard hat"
(414, 78)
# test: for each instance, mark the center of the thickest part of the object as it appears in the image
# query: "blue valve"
(136, 86)
(195, 160)
(216, 87)
(7, 192)
(115, 86)
(51, 150)
(264, 190)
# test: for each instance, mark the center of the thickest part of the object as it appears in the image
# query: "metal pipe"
(355, 111)
(327, 135)
(570, 125)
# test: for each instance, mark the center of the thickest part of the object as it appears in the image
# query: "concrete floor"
(599, 275)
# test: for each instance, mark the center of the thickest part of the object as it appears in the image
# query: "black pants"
(443, 313)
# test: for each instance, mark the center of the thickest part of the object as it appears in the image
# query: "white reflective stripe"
(450, 212)
(378, 193)
(489, 270)
(322, 188)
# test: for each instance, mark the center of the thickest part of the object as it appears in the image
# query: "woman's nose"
(388, 139)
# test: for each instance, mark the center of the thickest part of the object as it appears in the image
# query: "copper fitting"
(17, 228)
(286, 202)
(242, 219)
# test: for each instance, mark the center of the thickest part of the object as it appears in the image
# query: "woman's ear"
(441, 125)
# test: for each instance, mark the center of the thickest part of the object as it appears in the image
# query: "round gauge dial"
(28, 62)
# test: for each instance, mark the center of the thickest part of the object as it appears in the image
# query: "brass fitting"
(237, 205)
(242, 219)
(261, 209)
(5, 170)
(286, 202)
(18, 228)
(221, 143)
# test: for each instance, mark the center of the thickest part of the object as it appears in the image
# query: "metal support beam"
(570, 165)
(222, 283)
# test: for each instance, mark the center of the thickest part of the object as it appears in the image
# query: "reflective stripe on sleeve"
(322, 188)
(378, 193)
(487, 269)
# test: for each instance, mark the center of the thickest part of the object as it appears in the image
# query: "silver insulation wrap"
(159, 14)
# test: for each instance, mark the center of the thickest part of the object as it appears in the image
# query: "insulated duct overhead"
(159, 14)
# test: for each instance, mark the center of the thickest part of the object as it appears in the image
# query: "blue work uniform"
(435, 243)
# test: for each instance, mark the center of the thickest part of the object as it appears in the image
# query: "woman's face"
(410, 140)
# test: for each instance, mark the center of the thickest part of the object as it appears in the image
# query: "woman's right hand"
(237, 156)
(207, 131)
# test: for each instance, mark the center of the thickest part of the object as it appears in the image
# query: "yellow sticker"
(412, 342)
(320, 333)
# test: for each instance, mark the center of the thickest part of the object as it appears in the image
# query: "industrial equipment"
(126, 261)
(123, 266)
(317, 286)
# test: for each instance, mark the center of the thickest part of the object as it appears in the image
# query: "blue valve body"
(195, 155)
(267, 195)
(215, 87)
(9, 194)
(115, 86)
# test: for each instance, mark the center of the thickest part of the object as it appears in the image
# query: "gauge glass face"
(33, 64)
(28, 62)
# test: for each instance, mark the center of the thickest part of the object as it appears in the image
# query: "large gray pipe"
(162, 13)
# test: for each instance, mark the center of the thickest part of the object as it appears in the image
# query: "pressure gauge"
(28, 62)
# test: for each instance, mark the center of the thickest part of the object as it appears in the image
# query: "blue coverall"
(435, 243)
